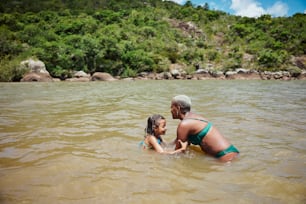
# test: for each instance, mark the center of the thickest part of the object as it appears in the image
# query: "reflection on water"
(77, 143)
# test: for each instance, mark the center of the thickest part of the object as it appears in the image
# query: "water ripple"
(78, 142)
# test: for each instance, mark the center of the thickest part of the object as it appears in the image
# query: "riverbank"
(202, 74)
(35, 71)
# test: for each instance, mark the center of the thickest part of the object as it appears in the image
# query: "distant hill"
(128, 37)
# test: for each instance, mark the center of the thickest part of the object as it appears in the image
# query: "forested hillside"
(128, 37)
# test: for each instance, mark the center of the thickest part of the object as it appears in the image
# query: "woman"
(197, 130)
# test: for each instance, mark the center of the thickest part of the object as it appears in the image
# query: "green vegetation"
(126, 37)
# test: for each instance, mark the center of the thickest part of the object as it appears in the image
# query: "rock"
(217, 74)
(78, 79)
(201, 71)
(167, 75)
(35, 66)
(280, 75)
(128, 79)
(277, 75)
(202, 76)
(252, 75)
(267, 75)
(190, 29)
(56, 79)
(230, 74)
(36, 71)
(36, 77)
(302, 75)
(141, 78)
(175, 73)
(102, 76)
(183, 74)
(242, 74)
(188, 76)
(179, 77)
(300, 61)
(247, 74)
(151, 76)
(143, 74)
(242, 71)
(159, 76)
(81, 74)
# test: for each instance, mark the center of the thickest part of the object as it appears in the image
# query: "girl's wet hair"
(153, 122)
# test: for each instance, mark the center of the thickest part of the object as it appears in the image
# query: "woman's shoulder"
(194, 117)
(191, 121)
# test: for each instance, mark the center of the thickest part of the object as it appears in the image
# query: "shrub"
(11, 70)
(128, 72)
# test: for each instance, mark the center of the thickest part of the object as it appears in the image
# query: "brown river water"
(71, 142)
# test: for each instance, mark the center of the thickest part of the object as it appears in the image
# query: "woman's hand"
(183, 144)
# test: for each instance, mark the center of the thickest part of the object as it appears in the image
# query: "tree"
(206, 6)
(138, 60)
(271, 59)
(127, 37)
(188, 4)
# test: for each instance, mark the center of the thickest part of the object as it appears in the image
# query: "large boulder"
(81, 74)
(35, 71)
(102, 76)
(35, 66)
(36, 77)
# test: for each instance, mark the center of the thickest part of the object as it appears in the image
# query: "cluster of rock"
(203, 74)
(37, 72)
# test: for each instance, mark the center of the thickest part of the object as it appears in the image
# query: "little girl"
(156, 126)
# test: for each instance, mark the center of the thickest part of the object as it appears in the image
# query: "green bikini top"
(196, 139)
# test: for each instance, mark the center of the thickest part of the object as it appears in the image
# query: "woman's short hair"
(183, 101)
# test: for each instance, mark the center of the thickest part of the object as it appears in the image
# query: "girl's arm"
(159, 149)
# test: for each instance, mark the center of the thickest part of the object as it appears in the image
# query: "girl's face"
(161, 129)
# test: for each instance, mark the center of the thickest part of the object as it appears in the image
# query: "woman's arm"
(182, 149)
(181, 135)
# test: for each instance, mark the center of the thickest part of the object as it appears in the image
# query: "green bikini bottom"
(230, 149)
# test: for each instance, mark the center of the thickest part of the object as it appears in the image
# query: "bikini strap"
(197, 119)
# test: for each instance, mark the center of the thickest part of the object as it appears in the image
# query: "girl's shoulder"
(146, 143)
(152, 139)
(149, 141)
